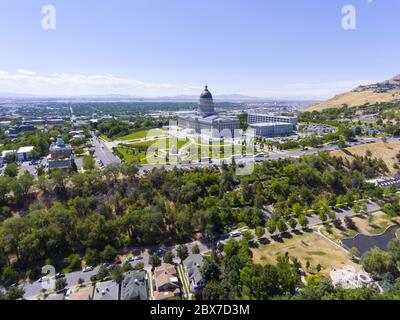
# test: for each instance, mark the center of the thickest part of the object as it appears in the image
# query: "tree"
(377, 261)
(247, 235)
(168, 257)
(271, 226)
(154, 261)
(354, 253)
(102, 273)
(210, 269)
(88, 163)
(117, 275)
(319, 268)
(292, 223)
(91, 256)
(282, 226)
(73, 262)
(196, 249)
(350, 223)
(182, 252)
(61, 284)
(9, 276)
(303, 221)
(15, 293)
(394, 249)
(11, 170)
(109, 254)
(260, 231)
(139, 266)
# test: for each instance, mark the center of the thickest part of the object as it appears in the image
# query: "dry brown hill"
(386, 151)
(386, 91)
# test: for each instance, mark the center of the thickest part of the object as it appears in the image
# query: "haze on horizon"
(281, 49)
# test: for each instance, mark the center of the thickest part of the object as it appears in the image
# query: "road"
(35, 288)
(103, 153)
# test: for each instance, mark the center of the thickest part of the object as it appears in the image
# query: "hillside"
(386, 151)
(386, 91)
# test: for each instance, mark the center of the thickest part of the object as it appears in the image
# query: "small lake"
(364, 243)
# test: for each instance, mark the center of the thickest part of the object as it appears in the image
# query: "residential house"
(134, 286)
(166, 281)
(107, 290)
(193, 265)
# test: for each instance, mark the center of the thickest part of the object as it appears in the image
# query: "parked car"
(60, 275)
(130, 259)
(68, 293)
(138, 258)
(235, 234)
(117, 261)
(88, 269)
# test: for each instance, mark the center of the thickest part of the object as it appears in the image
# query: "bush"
(196, 249)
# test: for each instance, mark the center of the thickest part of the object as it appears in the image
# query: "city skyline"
(268, 49)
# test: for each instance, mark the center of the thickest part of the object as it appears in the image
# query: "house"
(193, 265)
(7, 156)
(107, 290)
(25, 153)
(166, 281)
(134, 286)
(84, 293)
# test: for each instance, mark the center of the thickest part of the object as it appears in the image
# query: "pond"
(364, 243)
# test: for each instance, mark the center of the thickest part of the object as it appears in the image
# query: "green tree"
(11, 170)
(303, 221)
(61, 284)
(15, 293)
(195, 249)
(377, 261)
(109, 253)
(154, 261)
(182, 252)
(88, 163)
(168, 257)
(271, 226)
(260, 231)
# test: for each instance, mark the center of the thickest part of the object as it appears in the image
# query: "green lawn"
(104, 137)
(138, 135)
(184, 280)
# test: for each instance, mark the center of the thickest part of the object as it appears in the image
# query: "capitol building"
(206, 120)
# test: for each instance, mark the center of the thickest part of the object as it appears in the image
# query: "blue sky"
(269, 48)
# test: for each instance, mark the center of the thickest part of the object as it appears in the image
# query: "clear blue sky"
(281, 48)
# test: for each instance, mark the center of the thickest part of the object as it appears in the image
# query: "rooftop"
(25, 149)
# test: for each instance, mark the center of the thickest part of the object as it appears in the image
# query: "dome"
(206, 94)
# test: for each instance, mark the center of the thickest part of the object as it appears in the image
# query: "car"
(235, 234)
(68, 293)
(43, 279)
(88, 269)
(130, 259)
(60, 275)
(117, 261)
(138, 258)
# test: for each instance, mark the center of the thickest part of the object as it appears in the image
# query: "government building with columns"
(206, 120)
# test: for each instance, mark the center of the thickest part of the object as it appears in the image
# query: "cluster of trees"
(113, 128)
(71, 215)
(231, 274)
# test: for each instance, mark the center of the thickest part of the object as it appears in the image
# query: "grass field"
(138, 135)
(379, 223)
(306, 247)
(104, 137)
(386, 151)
